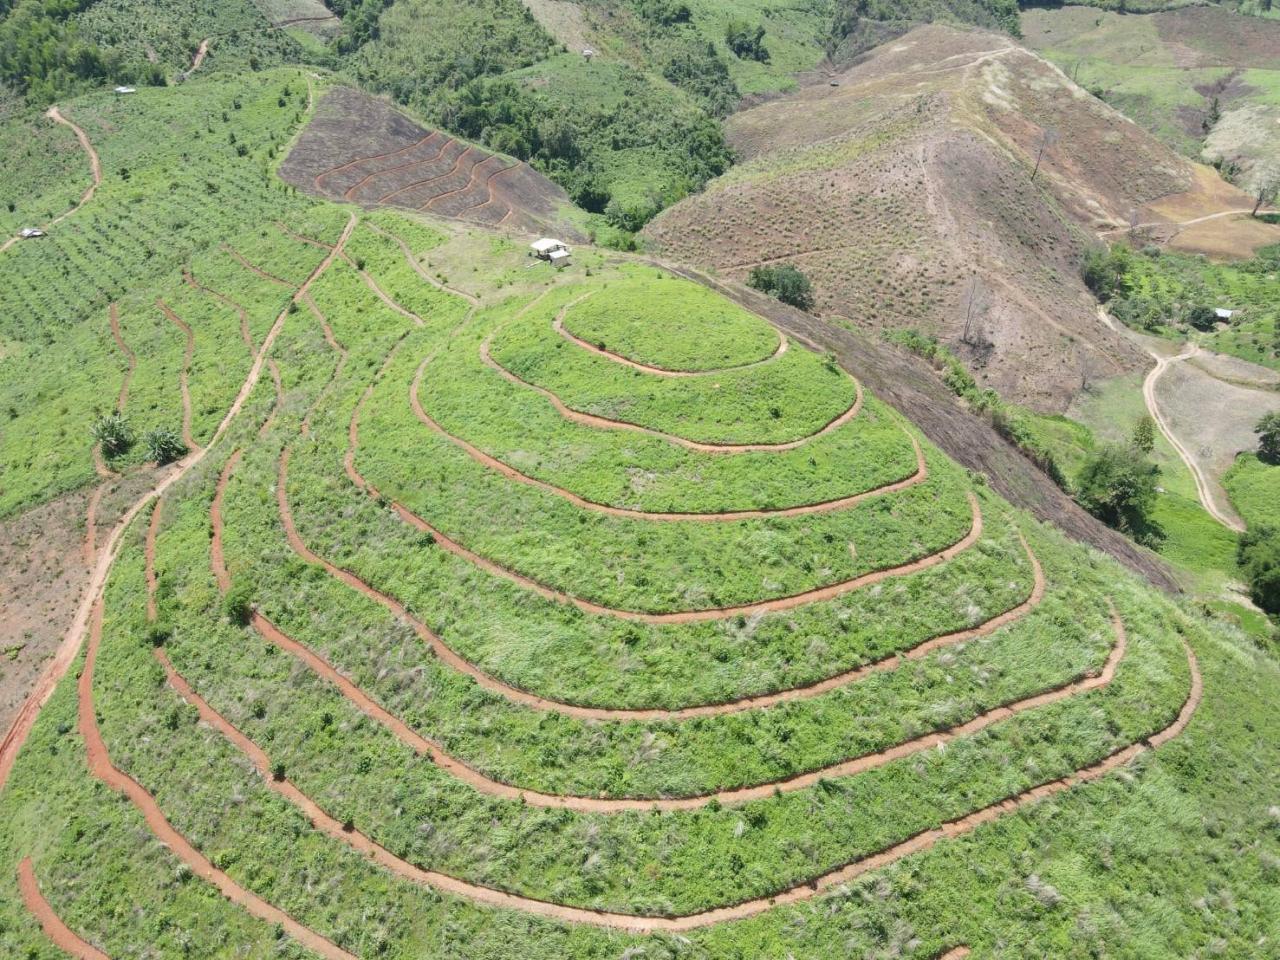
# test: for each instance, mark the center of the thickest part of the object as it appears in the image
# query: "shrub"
(164, 445)
(784, 282)
(1118, 486)
(746, 42)
(237, 605)
(1144, 433)
(1201, 317)
(113, 433)
(1258, 553)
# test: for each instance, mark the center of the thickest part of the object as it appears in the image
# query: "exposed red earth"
(415, 401)
(62, 936)
(245, 333)
(184, 375)
(558, 325)
(348, 834)
(101, 767)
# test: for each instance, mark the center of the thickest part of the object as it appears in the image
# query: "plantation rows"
(470, 634)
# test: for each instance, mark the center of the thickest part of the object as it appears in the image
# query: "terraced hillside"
(359, 149)
(500, 619)
(908, 189)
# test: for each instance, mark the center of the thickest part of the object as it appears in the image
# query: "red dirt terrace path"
(558, 324)
(100, 766)
(828, 592)
(647, 924)
(74, 637)
(62, 936)
(415, 401)
(607, 423)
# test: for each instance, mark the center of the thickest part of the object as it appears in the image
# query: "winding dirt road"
(74, 637)
(95, 170)
(62, 936)
(1204, 488)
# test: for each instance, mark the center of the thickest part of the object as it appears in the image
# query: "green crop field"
(490, 610)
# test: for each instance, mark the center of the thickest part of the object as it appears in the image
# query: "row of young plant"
(513, 423)
(785, 399)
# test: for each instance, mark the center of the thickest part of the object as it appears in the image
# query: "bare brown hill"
(361, 149)
(904, 187)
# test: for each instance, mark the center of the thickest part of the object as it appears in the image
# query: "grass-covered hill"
(495, 611)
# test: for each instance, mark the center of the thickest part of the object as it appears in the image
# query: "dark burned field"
(360, 149)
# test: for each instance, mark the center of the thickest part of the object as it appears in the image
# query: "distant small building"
(559, 258)
(544, 249)
(1224, 314)
(126, 89)
(588, 53)
(27, 233)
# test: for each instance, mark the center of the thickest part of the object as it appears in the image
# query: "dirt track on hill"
(240, 259)
(803, 891)
(195, 284)
(919, 476)
(70, 647)
(558, 325)
(827, 592)
(95, 170)
(101, 767)
(1203, 489)
(62, 936)
(608, 423)
(464, 772)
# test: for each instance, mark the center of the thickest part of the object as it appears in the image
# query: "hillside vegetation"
(438, 602)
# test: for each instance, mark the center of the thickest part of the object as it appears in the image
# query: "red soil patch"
(360, 148)
(919, 476)
(245, 333)
(62, 936)
(101, 767)
(75, 634)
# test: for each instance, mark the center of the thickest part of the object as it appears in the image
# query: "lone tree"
(1144, 433)
(1268, 188)
(746, 42)
(1047, 139)
(784, 282)
(1118, 486)
(1268, 431)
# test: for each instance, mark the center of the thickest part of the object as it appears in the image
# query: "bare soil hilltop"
(907, 188)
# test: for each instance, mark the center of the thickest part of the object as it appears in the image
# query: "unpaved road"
(95, 169)
(62, 936)
(1217, 507)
